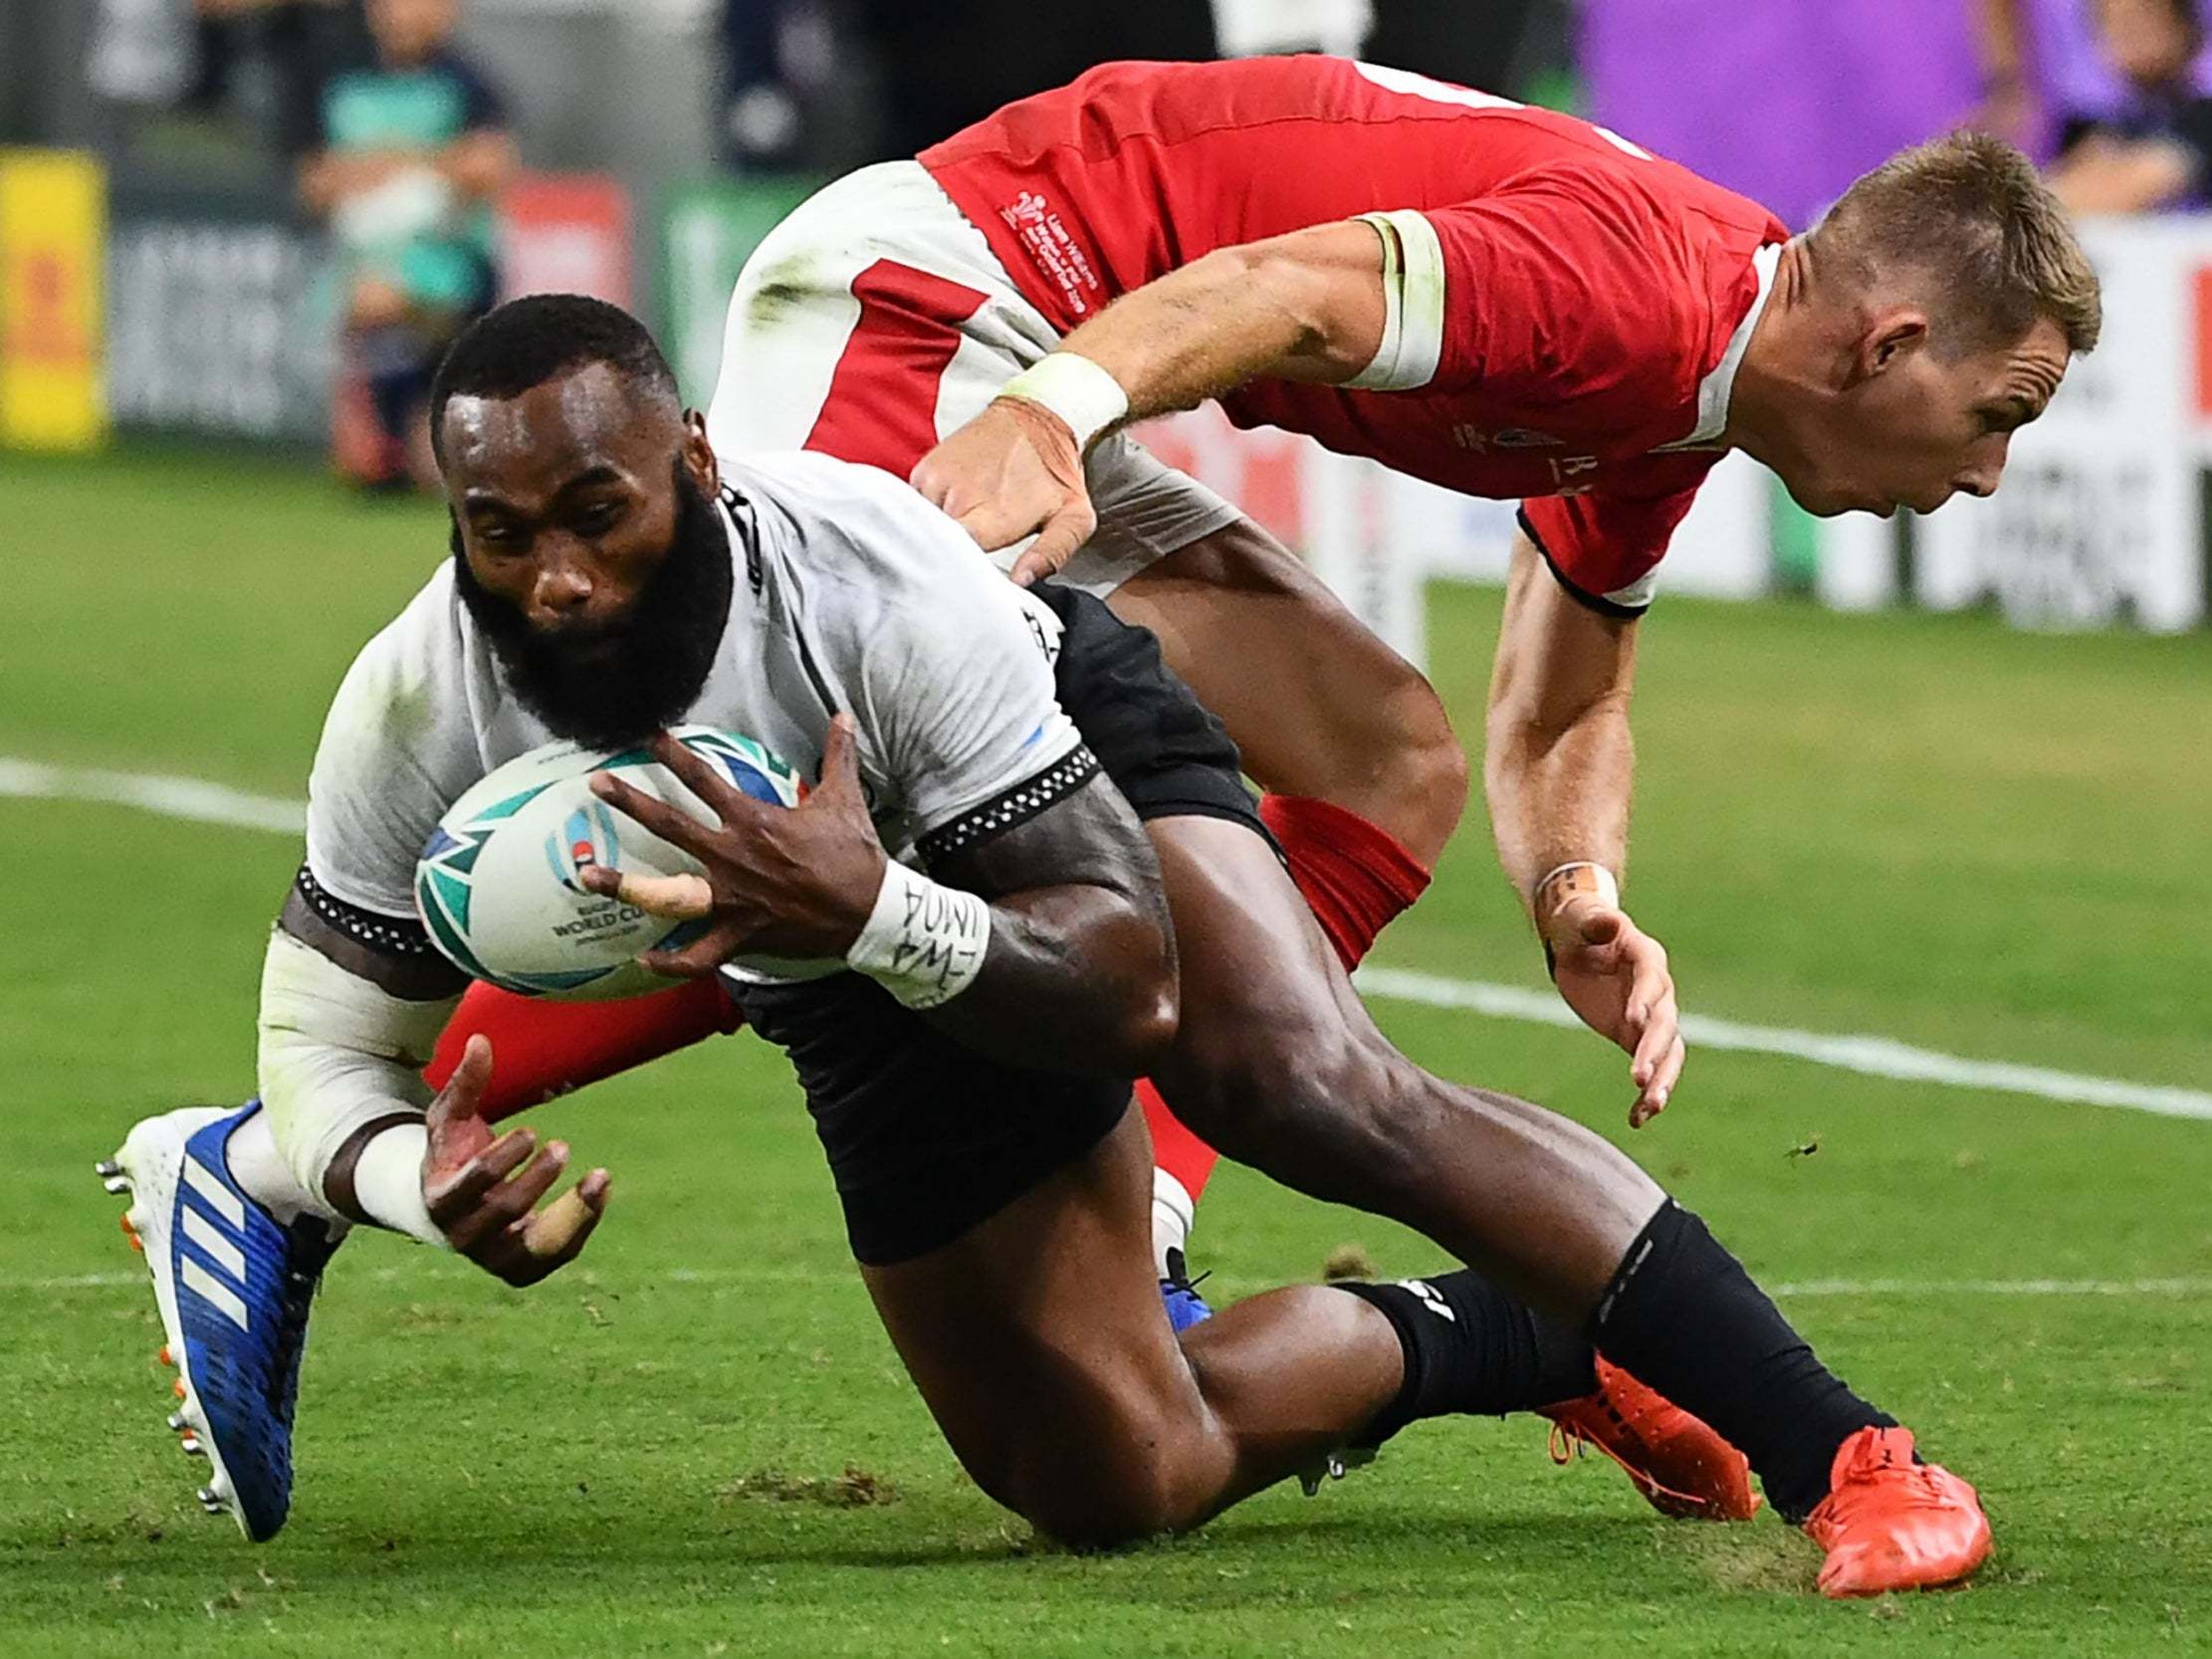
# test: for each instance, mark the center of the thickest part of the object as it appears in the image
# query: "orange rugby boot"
(1890, 1524)
(1680, 1465)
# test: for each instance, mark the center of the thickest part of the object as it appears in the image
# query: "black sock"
(1470, 1348)
(1682, 1315)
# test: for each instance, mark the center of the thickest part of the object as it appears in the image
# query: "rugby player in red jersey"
(1502, 300)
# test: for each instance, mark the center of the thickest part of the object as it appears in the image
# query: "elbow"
(1146, 1010)
(1150, 1017)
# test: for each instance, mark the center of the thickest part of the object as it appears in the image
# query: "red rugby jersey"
(1574, 308)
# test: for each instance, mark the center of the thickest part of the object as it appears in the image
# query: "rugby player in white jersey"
(1025, 759)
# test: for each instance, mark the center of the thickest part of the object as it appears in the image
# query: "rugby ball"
(500, 884)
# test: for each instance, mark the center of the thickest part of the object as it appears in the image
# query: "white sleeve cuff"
(1413, 304)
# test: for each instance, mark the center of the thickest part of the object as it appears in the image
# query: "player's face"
(408, 30)
(588, 551)
(1916, 426)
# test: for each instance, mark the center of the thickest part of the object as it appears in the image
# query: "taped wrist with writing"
(924, 943)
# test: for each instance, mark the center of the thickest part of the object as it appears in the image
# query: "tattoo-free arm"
(1309, 306)
(1559, 762)
(1081, 974)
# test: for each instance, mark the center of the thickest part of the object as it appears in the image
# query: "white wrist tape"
(924, 943)
(387, 1182)
(337, 1053)
(1074, 389)
(1599, 881)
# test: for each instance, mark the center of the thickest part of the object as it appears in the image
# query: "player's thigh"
(1317, 703)
(1039, 1340)
(1276, 1062)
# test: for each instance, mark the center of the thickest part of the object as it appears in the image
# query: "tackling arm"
(1309, 305)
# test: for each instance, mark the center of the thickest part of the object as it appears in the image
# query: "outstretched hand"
(1012, 470)
(1614, 975)
(796, 882)
(483, 1191)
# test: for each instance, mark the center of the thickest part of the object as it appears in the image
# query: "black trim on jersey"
(1582, 596)
(740, 510)
(1012, 809)
(388, 936)
(755, 573)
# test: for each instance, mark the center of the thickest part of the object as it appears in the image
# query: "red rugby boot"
(1682, 1466)
(1890, 1524)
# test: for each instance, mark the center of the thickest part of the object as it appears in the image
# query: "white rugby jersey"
(850, 594)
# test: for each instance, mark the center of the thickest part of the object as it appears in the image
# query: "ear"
(1891, 337)
(699, 455)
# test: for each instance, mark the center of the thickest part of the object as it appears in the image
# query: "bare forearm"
(1559, 796)
(1559, 762)
(1304, 306)
(1079, 974)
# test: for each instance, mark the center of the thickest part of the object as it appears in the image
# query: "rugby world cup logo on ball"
(500, 885)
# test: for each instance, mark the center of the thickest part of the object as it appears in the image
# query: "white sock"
(266, 1178)
(1173, 1211)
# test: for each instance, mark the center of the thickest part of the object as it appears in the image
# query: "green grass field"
(1927, 828)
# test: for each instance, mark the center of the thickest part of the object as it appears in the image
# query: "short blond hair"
(1970, 215)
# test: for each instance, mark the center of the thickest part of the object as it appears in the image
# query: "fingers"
(713, 790)
(1652, 1101)
(841, 758)
(682, 898)
(558, 1234)
(1057, 543)
(507, 1202)
(451, 1193)
(676, 827)
(454, 1124)
(463, 1093)
(701, 958)
(1651, 1027)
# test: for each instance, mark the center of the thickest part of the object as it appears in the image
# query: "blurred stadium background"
(1945, 783)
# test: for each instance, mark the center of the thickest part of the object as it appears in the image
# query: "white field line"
(1870, 1056)
(747, 1278)
(171, 797)
(193, 798)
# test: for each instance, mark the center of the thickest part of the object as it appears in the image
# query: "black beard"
(608, 685)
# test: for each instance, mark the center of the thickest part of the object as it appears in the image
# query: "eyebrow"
(480, 500)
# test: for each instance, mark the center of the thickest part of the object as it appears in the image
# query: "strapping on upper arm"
(1088, 837)
(393, 954)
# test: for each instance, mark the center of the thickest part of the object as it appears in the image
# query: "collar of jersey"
(1714, 391)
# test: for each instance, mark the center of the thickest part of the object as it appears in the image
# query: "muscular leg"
(1278, 1064)
(1320, 707)
(1038, 1343)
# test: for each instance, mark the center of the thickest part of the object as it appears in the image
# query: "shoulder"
(841, 524)
(411, 703)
